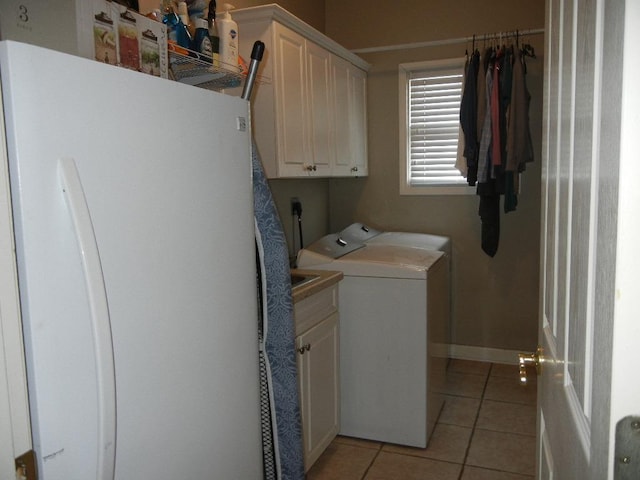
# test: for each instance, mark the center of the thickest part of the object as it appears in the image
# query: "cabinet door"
(358, 121)
(320, 117)
(349, 97)
(341, 75)
(291, 103)
(319, 379)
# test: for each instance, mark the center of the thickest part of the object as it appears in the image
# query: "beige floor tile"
(468, 366)
(507, 389)
(507, 417)
(391, 466)
(358, 442)
(342, 462)
(474, 473)
(506, 452)
(502, 447)
(464, 385)
(448, 443)
(461, 411)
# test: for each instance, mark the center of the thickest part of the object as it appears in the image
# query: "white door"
(590, 231)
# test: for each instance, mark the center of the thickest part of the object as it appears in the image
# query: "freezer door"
(133, 217)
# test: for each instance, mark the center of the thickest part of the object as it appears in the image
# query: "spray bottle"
(179, 37)
(228, 31)
(183, 13)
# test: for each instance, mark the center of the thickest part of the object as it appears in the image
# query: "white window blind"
(429, 136)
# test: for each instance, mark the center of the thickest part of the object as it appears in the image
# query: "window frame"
(405, 72)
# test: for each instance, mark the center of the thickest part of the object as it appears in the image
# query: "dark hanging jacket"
(468, 118)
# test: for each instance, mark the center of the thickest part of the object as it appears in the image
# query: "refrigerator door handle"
(100, 320)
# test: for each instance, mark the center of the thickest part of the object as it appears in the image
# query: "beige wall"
(360, 23)
(309, 11)
(495, 299)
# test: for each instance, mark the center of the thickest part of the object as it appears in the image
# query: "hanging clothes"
(489, 211)
(496, 158)
(461, 161)
(506, 74)
(468, 117)
(519, 144)
(499, 146)
(485, 139)
(481, 89)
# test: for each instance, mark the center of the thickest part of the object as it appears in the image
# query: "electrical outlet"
(296, 206)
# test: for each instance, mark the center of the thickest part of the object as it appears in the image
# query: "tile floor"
(485, 431)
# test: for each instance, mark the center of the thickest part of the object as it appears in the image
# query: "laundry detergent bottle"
(228, 32)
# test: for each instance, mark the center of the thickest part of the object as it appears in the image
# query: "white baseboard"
(484, 354)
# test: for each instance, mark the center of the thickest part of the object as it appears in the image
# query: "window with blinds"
(430, 95)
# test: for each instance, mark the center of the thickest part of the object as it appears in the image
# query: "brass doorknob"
(525, 359)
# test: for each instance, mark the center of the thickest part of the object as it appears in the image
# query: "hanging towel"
(278, 338)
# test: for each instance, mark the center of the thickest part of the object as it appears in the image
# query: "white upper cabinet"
(309, 117)
(350, 119)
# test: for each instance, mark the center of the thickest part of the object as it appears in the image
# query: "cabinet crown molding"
(275, 12)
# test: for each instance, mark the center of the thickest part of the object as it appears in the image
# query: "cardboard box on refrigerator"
(141, 42)
(88, 28)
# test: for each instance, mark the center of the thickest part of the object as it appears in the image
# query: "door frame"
(625, 390)
(15, 422)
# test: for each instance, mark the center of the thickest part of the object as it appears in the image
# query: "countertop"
(325, 279)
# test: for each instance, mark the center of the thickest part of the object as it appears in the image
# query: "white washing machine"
(394, 321)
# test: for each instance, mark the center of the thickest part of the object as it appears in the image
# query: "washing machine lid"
(384, 261)
(332, 246)
(417, 240)
(358, 233)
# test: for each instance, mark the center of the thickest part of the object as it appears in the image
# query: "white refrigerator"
(133, 225)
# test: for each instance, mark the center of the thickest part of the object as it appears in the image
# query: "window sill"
(437, 190)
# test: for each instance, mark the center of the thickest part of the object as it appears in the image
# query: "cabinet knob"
(311, 168)
(304, 348)
(354, 169)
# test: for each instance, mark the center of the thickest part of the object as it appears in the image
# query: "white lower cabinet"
(317, 343)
